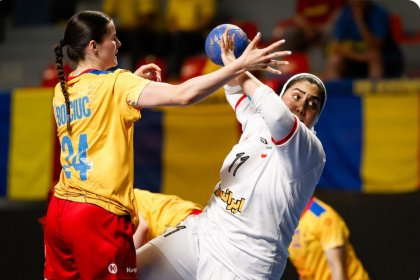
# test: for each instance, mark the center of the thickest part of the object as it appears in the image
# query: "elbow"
(182, 100)
(187, 95)
(185, 100)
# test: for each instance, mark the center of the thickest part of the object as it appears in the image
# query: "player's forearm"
(199, 88)
(336, 263)
(239, 103)
(280, 121)
(249, 83)
(338, 274)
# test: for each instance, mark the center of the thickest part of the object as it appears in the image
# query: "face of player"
(108, 49)
(303, 100)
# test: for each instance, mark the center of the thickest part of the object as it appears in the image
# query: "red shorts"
(85, 241)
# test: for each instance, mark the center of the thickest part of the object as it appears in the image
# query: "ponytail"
(58, 49)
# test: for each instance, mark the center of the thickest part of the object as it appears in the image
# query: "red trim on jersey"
(308, 205)
(196, 212)
(69, 78)
(285, 139)
(239, 101)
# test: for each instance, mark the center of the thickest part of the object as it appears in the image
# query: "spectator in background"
(135, 21)
(362, 44)
(320, 248)
(311, 25)
(187, 22)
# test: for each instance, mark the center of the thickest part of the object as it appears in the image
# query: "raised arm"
(239, 102)
(280, 121)
(198, 88)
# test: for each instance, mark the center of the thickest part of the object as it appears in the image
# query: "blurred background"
(370, 127)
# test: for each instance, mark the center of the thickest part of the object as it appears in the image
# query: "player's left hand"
(149, 71)
(227, 47)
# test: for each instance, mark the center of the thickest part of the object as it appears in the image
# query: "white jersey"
(265, 185)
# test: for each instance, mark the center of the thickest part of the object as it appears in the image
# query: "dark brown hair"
(80, 30)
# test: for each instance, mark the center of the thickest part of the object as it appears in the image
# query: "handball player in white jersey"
(265, 182)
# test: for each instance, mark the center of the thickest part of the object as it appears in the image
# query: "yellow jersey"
(321, 228)
(97, 158)
(162, 211)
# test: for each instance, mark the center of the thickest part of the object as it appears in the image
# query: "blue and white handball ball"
(213, 42)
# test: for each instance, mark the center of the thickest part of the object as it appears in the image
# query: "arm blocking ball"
(213, 41)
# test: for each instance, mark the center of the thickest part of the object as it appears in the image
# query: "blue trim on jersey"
(316, 209)
(98, 72)
(5, 107)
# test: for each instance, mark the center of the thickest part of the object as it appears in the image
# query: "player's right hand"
(149, 71)
(265, 59)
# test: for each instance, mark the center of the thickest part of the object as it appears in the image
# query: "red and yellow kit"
(162, 211)
(97, 157)
(321, 228)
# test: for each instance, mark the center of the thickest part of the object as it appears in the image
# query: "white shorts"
(181, 248)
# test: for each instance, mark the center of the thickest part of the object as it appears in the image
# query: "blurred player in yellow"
(158, 212)
(320, 248)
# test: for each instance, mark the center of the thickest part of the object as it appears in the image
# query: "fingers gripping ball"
(213, 42)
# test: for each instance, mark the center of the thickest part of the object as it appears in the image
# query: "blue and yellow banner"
(370, 131)
(27, 162)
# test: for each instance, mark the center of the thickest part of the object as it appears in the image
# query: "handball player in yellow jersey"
(158, 212)
(93, 214)
(320, 248)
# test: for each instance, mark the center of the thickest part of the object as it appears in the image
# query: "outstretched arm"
(199, 88)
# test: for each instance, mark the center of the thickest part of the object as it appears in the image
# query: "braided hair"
(58, 49)
(80, 30)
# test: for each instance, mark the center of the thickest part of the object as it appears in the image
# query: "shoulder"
(317, 208)
(322, 209)
(125, 76)
(309, 142)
